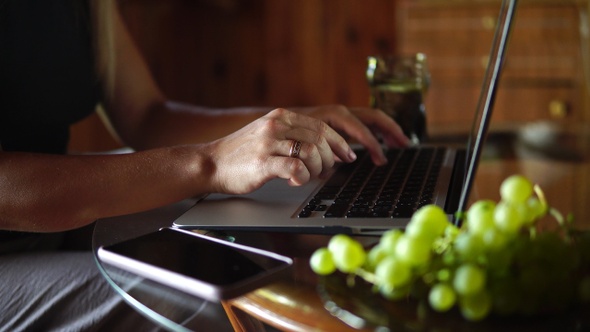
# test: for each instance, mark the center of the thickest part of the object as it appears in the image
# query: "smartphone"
(207, 267)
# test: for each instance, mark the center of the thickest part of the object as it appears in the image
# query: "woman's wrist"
(199, 168)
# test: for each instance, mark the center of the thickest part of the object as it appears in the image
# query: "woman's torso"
(47, 83)
(47, 73)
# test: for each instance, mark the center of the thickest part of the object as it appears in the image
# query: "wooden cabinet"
(224, 53)
(308, 52)
(546, 69)
(280, 53)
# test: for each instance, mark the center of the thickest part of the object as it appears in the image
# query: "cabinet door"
(543, 77)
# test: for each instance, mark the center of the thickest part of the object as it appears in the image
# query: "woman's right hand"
(243, 161)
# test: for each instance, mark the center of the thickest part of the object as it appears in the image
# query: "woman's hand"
(362, 125)
(245, 160)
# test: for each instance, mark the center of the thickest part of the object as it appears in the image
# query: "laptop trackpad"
(276, 200)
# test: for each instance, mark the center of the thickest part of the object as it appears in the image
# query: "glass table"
(170, 308)
(164, 306)
(294, 304)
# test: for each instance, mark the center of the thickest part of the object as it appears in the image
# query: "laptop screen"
(483, 113)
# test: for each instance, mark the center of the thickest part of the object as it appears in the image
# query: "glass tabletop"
(169, 308)
(165, 306)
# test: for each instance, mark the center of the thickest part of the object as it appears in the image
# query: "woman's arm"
(244, 149)
(145, 118)
(44, 193)
(142, 115)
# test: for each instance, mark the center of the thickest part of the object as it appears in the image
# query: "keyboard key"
(361, 189)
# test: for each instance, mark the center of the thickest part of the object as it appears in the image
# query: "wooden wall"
(224, 53)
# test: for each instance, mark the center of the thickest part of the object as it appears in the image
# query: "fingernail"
(352, 155)
(383, 158)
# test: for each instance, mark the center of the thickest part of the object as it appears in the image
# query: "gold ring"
(295, 149)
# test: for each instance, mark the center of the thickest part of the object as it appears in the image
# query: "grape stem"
(532, 232)
(561, 221)
(367, 276)
(539, 192)
(558, 216)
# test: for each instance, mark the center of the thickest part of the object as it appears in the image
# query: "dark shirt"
(47, 83)
(47, 73)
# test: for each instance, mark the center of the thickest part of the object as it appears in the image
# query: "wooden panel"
(455, 105)
(545, 42)
(262, 52)
(194, 51)
(224, 53)
(544, 63)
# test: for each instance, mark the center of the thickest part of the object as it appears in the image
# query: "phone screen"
(199, 257)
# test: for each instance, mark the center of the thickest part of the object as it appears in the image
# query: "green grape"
(533, 279)
(506, 296)
(396, 293)
(451, 232)
(543, 248)
(531, 210)
(469, 279)
(499, 261)
(442, 297)
(393, 272)
(414, 251)
(321, 262)
(494, 239)
(476, 307)
(549, 247)
(428, 222)
(449, 258)
(469, 246)
(549, 252)
(389, 239)
(536, 208)
(507, 218)
(348, 254)
(516, 189)
(443, 274)
(480, 216)
(521, 248)
(338, 241)
(493, 263)
(375, 256)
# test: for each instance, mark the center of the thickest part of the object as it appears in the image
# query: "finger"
(365, 137)
(316, 151)
(391, 131)
(308, 154)
(358, 131)
(291, 169)
(337, 143)
(340, 146)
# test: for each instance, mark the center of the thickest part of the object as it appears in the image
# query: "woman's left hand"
(363, 125)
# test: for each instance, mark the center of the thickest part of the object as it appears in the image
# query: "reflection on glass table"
(165, 306)
(358, 305)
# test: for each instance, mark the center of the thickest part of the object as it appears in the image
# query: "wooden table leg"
(241, 321)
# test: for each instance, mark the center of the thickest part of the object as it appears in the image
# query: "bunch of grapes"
(497, 262)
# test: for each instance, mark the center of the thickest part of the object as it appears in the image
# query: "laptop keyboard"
(363, 190)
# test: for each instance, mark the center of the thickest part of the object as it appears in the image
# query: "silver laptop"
(359, 197)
